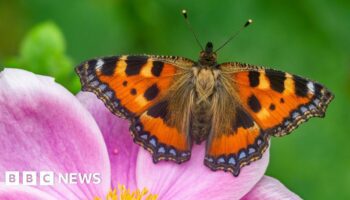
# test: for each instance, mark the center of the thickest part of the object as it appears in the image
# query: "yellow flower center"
(122, 193)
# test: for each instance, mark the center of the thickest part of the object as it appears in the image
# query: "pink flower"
(43, 127)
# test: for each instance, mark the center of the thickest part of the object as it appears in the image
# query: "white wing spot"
(311, 87)
(99, 63)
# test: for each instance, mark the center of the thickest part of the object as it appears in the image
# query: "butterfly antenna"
(235, 34)
(184, 13)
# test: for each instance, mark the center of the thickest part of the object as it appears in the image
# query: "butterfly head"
(208, 56)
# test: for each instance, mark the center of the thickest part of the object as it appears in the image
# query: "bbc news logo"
(47, 178)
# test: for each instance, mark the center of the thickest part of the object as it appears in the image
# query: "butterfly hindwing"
(163, 140)
(243, 145)
(276, 100)
(134, 87)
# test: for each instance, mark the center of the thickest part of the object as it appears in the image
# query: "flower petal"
(271, 189)
(121, 148)
(193, 180)
(23, 193)
(44, 128)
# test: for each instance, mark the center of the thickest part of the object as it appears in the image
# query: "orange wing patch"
(234, 142)
(128, 85)
(230, 152)
(164, 142)
(279, 101)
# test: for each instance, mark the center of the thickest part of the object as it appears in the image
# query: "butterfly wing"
(276, 100)
(233, 150)
(270, 103)
(134, 87)
(165, 141)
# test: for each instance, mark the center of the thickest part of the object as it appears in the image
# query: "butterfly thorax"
(204, 83)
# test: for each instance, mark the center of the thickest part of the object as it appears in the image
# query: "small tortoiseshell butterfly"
(172, 102)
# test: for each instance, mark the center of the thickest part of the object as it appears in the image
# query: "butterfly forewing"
(276, 100)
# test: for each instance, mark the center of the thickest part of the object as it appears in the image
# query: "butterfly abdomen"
(201, 122)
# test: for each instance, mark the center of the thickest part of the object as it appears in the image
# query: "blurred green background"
(310, 38)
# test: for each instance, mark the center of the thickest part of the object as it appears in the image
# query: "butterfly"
(173, 102)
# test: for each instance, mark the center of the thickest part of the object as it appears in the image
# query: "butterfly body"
(211, 95)
(173, 102)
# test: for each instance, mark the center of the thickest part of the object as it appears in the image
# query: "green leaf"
(43, 51)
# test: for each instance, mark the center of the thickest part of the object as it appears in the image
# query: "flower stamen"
(122, 193)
